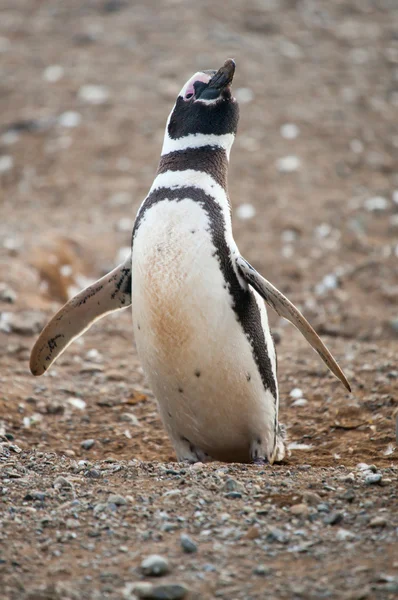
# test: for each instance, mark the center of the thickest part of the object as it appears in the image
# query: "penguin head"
(205, 111)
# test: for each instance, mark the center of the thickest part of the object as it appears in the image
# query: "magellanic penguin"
(200, 321)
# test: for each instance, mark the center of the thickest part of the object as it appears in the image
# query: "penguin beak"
(219, 84)
(224, 76)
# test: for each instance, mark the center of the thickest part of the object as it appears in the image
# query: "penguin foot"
(188, 453)
(281, 450)
(260, 461)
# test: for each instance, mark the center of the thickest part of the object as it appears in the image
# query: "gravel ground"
(93, 504)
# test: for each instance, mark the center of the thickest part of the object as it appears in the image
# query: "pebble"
(69, 119)
(72, 523)
(333, 518)
(344, 535)
(94, 94)
(262, 570)
(312, 498)
(376, 204)
(166, 591)
(288, 164)
(77, 402)
(6, 163)
(117, 499)
(245, 211)
(53, 73)
(87, 444)
(7, 294)
(299, 510)
(232, 486)
(155, 565)
(373, 478)
(296, 393)
(187, 544)
(289, 131)
(277, 535)
(378, 522)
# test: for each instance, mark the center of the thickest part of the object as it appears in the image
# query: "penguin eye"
(188, 96)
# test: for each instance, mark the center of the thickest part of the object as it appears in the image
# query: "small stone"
(312, 498)
(301, 510)
(77, 402)
(166, 591)
(94, 94)
(296, 393)
(40, 496)
(53, 73)
(7, 294)
(117, 499)
(253, 533)
(373, 478)
(378, 522)
(87, 444)
(187, 544)
(262, 570)
(70, 119)
(277, 535)
(155, 566)
(288, 164)
(6, 163)
(232, 486)
(349, 495)
(245, 211)
(72, 523)
(376, 204)
(289, 131)
(344, 535)
(334, 518)
(300, 402)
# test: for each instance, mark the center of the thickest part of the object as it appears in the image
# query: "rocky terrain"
(93, 504)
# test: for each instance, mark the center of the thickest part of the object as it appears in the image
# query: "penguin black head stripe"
(199, 316)
(205, 105)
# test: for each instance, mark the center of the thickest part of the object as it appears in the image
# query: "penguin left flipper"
(111, 292)
(284, 308)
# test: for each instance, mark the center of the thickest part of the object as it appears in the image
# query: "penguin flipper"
(111, 292)
(287, 310)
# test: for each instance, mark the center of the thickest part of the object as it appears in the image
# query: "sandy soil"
(75, 164)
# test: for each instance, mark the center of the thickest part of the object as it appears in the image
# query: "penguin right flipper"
(111, 292)
(287, 310)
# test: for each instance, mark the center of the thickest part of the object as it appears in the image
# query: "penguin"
(199, 308)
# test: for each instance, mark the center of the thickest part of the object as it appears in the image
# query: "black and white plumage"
(200, 321)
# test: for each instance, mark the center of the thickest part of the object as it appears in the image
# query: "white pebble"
(288, 236)
(323, 230)
(66, 270)
(9, 137)
(298, 446)
(6, 163)
(300, 402)
(245, 211)
(343, 535)
(70, 118)
(94, 94)
(77, 402)
(244, 95)
(53, 73)
(356, 146)
(289, 131)
(377, 203)
(287, 251)
(296, 393)
(94, 355)
(288, 164)
(329, 282)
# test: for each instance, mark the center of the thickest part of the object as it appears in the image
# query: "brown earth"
(325, 234)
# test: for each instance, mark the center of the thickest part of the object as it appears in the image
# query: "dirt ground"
(89, 483)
